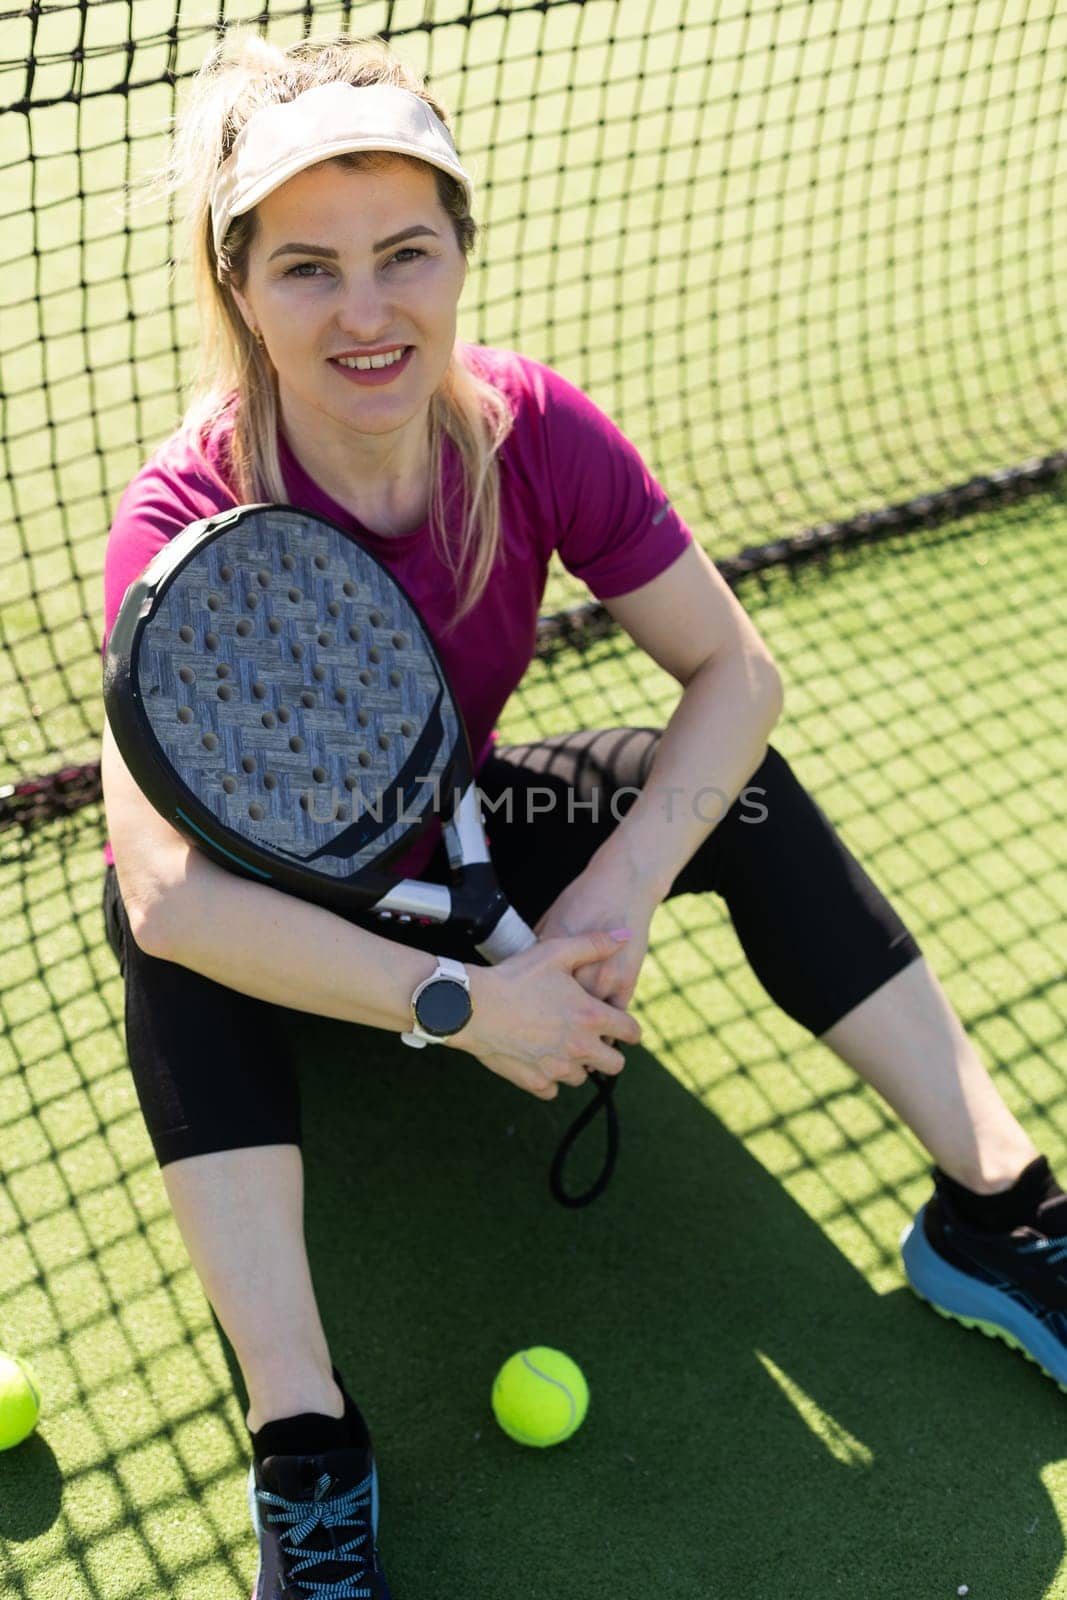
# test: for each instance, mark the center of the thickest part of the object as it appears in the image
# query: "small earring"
(258, 337)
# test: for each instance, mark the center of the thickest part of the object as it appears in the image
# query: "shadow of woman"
(762, 1422)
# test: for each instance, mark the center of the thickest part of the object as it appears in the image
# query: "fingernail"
(621, 934)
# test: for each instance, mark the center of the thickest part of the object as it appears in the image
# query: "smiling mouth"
(373, 363)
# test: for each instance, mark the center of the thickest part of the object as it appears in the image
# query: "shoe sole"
(253, 1509)
(961, 1298)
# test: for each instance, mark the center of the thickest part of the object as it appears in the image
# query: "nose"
(366, 309)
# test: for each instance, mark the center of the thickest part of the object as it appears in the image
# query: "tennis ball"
(20, 1401)
(540, 1396)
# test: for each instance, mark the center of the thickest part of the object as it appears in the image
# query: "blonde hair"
(234, 374)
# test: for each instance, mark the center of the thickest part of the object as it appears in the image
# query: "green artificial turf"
(807, 260)
(773, 1413)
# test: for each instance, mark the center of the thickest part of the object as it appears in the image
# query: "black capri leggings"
(211, 1065)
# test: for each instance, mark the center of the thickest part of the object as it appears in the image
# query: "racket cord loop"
(604, 1097)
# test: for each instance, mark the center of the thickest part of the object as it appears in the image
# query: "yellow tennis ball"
(20, 1401)
(540, 1396)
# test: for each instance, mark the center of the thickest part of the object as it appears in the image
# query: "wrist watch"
(441, 1004)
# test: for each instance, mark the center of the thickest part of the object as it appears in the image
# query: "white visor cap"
(333, 119)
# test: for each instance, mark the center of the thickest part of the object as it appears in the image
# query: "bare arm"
(691, 625)
(183, 907)
(533, 1022)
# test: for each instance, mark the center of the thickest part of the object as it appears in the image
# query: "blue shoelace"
(303, 1517)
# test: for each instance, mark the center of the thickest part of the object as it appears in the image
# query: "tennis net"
(805, 254)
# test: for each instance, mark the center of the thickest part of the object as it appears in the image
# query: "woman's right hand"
(535, 1025)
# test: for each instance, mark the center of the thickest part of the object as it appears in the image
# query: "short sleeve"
(616, 527)
(179, 485)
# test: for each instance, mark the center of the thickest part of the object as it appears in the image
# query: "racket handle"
(510, 935)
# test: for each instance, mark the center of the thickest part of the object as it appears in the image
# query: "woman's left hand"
(604, 900)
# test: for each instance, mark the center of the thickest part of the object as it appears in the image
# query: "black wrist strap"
(604, 1096)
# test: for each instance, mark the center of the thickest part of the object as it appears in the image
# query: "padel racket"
(277, 697)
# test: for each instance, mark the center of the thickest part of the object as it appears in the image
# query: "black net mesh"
(806, 255)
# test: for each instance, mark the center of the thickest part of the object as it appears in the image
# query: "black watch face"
(443, 1007)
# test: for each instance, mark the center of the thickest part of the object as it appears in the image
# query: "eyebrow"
(298, 249)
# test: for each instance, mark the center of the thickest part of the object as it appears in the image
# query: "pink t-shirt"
(570, 482)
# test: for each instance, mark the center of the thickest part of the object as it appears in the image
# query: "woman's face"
(353, 282)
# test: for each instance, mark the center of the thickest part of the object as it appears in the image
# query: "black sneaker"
(316, 1520)
(1012, 1286)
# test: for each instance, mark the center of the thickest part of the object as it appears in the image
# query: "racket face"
(283, 675)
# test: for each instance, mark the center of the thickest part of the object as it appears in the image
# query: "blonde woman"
(331, 225)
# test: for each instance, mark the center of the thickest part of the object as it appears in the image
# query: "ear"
(245, 309)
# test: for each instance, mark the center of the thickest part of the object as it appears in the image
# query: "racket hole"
(395, 679)
(298, 652)
(407, 729)
(296, 744)
(274, 626)
(222, 670)
(333, 609)
(210, 741)
(289, 563)
(383, 741)
(252, 600)
(244, 627)
(366, 678)
(185, 714)
(355, 634)
(349, 588)
(267, 719)
(319, 774)
(230, 785)
(259, 690)
(187, 675)
(325, 638)
(322, 563)
(341, 696)
(225, 691)
(307, 699)
(185, 633)
(364, 758)
(375, 619)
(284, 713)
(374, 654)
(318, 673)
(214, 601)
(294, 595)
(350, 782)
(269, 781)
(226, 572)
(256, 811)
(211, 641)
(341, 812)
(248, 764)
(399, 642)
(362, 718)
(263, 579)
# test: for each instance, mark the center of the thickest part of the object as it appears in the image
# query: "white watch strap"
(446, 967)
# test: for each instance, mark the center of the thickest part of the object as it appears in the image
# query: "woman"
(332, 226)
